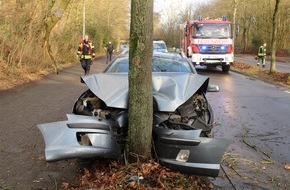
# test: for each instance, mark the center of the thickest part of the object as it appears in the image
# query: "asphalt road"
(246, 110)
(255, 115)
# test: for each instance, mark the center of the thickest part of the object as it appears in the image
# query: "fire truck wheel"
(225, 68)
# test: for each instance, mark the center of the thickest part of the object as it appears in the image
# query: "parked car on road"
(159, 46)
(182, 118)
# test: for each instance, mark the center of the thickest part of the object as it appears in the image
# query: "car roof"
(158, 41)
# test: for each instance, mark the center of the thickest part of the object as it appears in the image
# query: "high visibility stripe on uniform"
(86, 57)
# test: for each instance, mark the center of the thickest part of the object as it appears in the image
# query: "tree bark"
(140, 80)
(50, 22)
(274, 36)
(234, 21)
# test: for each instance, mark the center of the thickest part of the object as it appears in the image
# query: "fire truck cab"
(208, 42)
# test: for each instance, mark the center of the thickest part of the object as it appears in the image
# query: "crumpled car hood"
(169, 90)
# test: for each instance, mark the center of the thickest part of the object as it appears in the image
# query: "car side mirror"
(213, 88)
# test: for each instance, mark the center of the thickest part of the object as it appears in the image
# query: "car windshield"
(159, 64)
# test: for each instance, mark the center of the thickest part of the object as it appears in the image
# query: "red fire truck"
(208, 42)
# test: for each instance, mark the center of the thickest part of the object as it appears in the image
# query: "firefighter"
(262, 55)
(86, 54)
(110, 49)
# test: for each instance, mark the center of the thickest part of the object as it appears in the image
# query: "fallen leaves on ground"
(11, 77)
(148, 175)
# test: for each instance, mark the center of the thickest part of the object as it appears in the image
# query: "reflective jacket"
(86, 50)
(262, 51)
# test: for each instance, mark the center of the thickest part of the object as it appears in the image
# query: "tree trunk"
(234, 20)
(274, 35)
(244, 39)
(50, 22)
(140, 80)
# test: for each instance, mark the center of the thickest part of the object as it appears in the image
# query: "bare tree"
(56, 12)
(171, 26)
(274, 37)
(140, 80)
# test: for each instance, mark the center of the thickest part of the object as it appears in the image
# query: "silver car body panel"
(204, 157)
(61, 140)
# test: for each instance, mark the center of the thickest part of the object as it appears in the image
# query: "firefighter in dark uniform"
(86, 54)
(262, 55)
(110, 49)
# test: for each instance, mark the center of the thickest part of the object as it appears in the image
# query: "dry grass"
(11, 77)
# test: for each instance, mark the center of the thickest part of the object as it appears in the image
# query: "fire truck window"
(198, 30)
(211, 30)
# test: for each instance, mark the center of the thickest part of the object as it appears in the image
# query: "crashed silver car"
(182, 125)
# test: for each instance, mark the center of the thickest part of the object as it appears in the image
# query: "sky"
(162, 5)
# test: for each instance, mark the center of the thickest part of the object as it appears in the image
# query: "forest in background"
(41, 36)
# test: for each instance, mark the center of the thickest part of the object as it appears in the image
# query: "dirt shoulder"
(11, 78)
(277, 77)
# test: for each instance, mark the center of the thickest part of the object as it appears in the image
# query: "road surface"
(255, 115)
